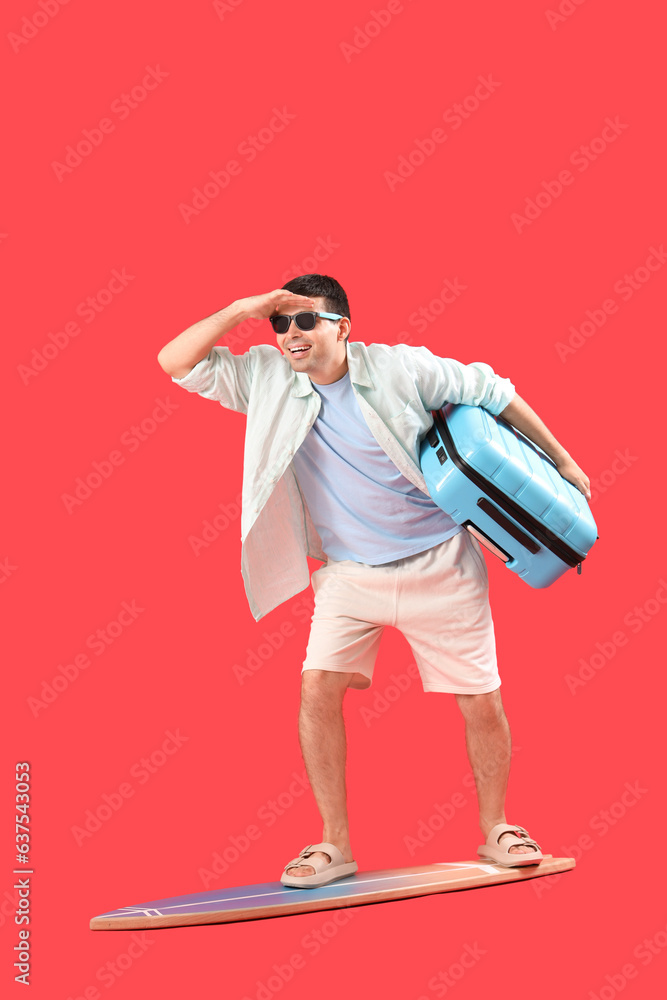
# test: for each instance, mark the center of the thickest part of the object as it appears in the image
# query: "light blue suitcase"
(507, 492)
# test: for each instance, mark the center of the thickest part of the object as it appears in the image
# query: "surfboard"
(273, 899)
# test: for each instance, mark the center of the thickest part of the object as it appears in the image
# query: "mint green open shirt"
(396, 387)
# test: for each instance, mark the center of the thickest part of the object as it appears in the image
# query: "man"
(332, 471)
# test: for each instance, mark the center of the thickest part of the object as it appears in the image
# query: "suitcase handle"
(509, 526)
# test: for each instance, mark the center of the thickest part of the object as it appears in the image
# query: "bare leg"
(489, 746)
(324, 748)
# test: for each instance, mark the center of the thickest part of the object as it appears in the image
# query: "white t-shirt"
(362, 506)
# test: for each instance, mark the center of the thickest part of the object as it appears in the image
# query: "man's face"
(319, 352)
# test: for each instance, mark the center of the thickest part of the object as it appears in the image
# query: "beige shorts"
(438, 599)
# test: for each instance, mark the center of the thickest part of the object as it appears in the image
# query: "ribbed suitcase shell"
(487, 475)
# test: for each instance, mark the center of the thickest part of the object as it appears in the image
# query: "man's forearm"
(520, 415)
(181, 354)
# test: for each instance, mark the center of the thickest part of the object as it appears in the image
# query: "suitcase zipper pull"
(579, 569)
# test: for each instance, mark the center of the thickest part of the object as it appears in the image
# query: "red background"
(67, 574)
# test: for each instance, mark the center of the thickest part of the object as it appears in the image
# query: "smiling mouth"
(299, 350)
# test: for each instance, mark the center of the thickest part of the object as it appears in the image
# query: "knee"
(482, 708)
(324, 685)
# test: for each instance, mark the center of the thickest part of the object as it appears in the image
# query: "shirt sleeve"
(444, 380)
(223, 377)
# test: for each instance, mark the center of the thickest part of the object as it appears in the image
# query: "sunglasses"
(304, 321)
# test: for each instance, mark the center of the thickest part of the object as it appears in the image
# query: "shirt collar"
(357, 366)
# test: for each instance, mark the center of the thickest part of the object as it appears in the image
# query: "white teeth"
(300, 349)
